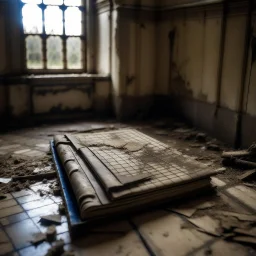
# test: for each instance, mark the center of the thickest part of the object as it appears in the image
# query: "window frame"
(63, 37)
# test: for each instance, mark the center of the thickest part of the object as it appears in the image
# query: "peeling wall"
(61, 99)
(103, 42)
(189, 63)
(133, 56)
(29, 96)
(19, 101)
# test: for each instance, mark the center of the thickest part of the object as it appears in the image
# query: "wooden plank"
(163, 232)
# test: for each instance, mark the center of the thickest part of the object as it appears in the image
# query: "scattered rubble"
(56, 191)
(51, 233)
(247, 175)
(38, 238)
(53, 218)
(57, 248)
(21, 172)
(62, 209)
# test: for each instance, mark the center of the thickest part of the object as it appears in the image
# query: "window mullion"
(44, 40)
(64, 41)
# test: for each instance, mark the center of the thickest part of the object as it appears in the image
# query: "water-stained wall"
(202, 52)
(25, 95)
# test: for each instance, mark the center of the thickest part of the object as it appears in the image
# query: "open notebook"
(121, 170)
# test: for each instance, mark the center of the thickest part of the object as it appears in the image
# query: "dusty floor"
(180, 228)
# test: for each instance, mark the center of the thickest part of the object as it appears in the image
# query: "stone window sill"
(59, 79)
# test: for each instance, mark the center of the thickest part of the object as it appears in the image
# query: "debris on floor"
(5, 180)
(62, 209)
(21, 172)
(209, 216)
(248, 175)
(57, 248)
(241, 158)
(52, 218)
(188, 209)
(51, 233)
(207, 224)
(38, 238)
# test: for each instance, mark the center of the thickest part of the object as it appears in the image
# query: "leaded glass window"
(53, 30)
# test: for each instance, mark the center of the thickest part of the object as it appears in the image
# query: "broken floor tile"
(207, 224)
(63, 227)
(38, 238)
(5, 180)
(154, 226)
(53, 218)
(110, 244)
(222, 248)
(245, 217)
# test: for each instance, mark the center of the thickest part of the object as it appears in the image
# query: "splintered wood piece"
(245, 239)
(53, 218)
(207, 225)
(244, 217)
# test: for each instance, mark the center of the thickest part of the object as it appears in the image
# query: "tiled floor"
(156, 232)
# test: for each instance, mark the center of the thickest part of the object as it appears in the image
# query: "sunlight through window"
(51, 48)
